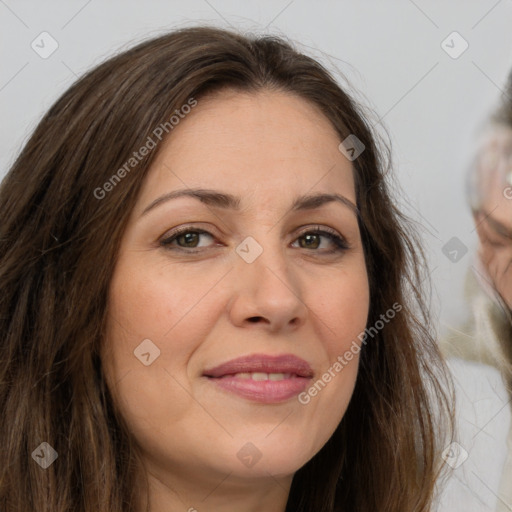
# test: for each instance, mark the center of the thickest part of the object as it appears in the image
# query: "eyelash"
(339, 242)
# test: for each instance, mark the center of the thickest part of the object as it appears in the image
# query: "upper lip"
(286, 363)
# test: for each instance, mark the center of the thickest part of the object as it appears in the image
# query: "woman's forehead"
(263, 125)
(245, 142)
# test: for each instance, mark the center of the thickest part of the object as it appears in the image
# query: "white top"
(483, 422)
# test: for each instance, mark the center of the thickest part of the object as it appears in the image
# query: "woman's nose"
(267, 291)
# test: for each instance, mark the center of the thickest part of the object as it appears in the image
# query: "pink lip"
(286, 363)
(266, 391)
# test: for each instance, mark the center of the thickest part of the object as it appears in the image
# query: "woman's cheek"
(344, 302)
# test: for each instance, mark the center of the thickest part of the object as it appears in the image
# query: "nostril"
(255, 319)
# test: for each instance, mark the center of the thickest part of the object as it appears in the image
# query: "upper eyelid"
(315, 228)
(499, 243)
(491, 232)
(496, 227)
(302, 230)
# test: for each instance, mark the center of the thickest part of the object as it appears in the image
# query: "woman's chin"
(280, 459)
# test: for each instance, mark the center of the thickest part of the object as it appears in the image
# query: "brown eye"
(325, 240)
(186, 239)
(310, 241)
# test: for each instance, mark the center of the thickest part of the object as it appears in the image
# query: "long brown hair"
(58, 247)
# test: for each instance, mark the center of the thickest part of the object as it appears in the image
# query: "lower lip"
(265, 391)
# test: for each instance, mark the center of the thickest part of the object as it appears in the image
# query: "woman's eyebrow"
(228, 201)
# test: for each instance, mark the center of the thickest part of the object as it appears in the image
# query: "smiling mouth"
(256, 364)
(259, 376)
(262, 378)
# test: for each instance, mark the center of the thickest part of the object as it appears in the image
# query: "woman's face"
(494, 220)
(253, 176)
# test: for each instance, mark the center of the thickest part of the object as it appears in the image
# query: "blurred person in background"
(481, 351)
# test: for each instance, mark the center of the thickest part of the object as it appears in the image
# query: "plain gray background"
(390, 51)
